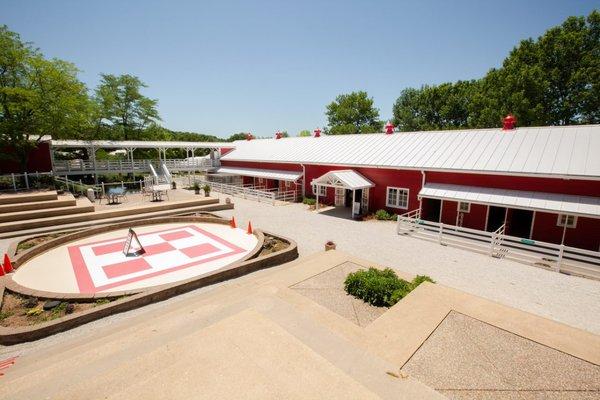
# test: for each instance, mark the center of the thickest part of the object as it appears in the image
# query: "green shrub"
(309, 201)
(380, 288)
(383, 215)
(420, 279)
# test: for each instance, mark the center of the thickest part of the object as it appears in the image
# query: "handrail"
(125, 166)
(499, 244)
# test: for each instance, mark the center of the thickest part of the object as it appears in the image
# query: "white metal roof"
(139, 144)
(346, 178)
(261, 173)
(548, 151)
(540, 201)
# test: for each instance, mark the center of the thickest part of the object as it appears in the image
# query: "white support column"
(317, 197)
(352, 203)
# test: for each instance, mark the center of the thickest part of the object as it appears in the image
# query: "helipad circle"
(172, 252)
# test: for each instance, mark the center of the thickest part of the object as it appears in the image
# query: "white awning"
(138, 144)
(346, 178)
(539, 201)
(261, 173)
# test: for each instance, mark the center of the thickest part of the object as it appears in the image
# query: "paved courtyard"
(572, 300)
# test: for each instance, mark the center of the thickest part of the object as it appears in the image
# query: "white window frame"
(468, 210)
(322, 190)
(561, 223)
(398, 190)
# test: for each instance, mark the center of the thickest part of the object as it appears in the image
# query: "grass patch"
(381, 288)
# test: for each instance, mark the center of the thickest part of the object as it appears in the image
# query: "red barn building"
(543, 183)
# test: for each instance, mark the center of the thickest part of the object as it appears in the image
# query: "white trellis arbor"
(342, 180)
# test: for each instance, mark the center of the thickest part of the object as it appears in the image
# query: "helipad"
(173, 252)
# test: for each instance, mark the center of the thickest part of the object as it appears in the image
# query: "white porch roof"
(347, 178)
(540, 201)
(261, 173)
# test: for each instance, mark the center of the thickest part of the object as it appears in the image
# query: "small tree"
(304, 133)
(353, 113)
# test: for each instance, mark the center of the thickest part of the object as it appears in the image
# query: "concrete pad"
(98, 264)
(261, 360)
(327, 289)
(464, 354)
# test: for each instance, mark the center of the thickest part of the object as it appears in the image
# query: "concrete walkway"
(572, 300)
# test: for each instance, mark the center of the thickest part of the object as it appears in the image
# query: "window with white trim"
(396, 197)
(464, 207)
(569, 220)
(322, 190)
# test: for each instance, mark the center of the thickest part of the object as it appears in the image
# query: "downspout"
(303, 181)
(423, 179)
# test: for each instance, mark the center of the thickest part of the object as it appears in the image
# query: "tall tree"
(37, 97)
(123, 108)
(353, 113)
(554, 80)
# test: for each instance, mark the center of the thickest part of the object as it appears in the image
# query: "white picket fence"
(250, 192)
(497, 244)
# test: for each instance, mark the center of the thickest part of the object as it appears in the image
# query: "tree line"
(552, 80)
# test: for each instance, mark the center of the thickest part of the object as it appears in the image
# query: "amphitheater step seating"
(82, 217)
(18, 198)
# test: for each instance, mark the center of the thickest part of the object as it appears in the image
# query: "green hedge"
(381, 288)
(309, 201)
(385, 216)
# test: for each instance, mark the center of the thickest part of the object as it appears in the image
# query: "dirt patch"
(18, 310)
(29, 243)
(272, 245)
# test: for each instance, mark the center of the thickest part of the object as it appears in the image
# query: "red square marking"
(157, 248)
(125, 268)
(199, 250)
(175, 235)
(108, 248)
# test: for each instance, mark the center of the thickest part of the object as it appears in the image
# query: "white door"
(365, 201)
(340, 195)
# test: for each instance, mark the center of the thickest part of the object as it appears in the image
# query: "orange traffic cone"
(249, 232)
(1, 271)
(7, 264)
(232, 223)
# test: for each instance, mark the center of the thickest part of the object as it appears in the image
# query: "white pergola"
(346, 179)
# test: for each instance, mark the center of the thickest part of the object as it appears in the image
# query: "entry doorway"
(431, 209)
(519, 223)
(496, 217)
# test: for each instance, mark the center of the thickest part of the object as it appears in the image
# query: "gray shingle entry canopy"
(347, 179)
(539, 201)
(561, 151)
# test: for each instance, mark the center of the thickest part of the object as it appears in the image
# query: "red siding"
(549, 185)
(449, 212)
(476, 217)
(39, 160)
(585, 235)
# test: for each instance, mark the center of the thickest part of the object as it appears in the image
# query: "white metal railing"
(125, 166)
(250, 192)
(24, 181)
(500, 245)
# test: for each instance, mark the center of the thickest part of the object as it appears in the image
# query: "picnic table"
(158, 191)
(114, 194)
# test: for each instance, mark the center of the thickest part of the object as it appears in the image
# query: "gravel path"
(571, 300)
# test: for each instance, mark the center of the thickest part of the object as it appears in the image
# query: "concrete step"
(78, 208)
(87, 220)
(27, 197)
(62, 201)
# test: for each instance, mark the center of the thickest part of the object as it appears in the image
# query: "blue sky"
(221, 67)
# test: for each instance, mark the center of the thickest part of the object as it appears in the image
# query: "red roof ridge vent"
(249, 136)
(278, 135)
(389, 128)
(317, 132)
(509, 122)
